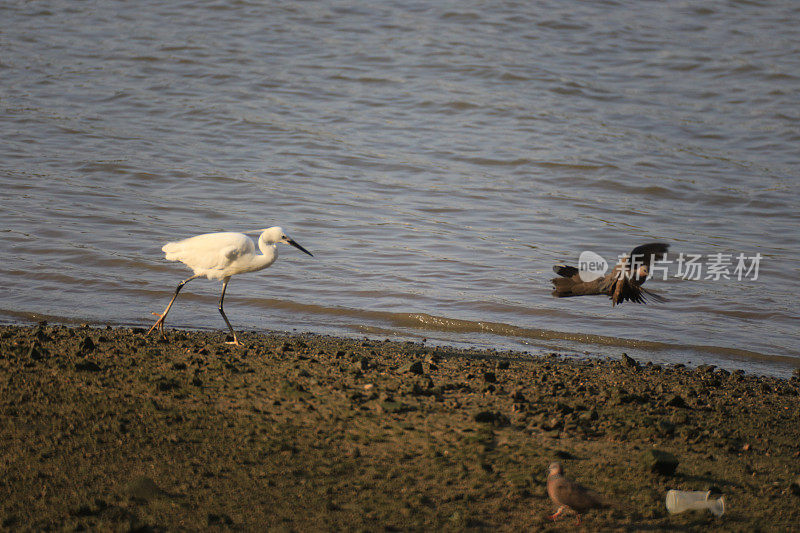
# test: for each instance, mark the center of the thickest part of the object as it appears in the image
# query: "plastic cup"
(679, 501)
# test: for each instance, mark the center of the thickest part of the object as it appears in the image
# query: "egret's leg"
(160, 322)
(222, 312)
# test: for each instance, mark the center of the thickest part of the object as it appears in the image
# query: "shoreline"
(110, 428)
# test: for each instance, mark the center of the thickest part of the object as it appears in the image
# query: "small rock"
(145, 489)
(414, 367)
(395, 407)
(794, 487)
(706, 369)
(502, 365)
(563, 454)
(36, 352)
(491, 417)
(165, 385)
(489, 377)
(86, 345)
(630, 361)
(564, 408)
(676, 401)
(432, 359)
(665, 427)
(87, 366)
(660, 462)
(219, 520)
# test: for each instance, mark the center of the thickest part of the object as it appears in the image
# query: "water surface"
(436, 159)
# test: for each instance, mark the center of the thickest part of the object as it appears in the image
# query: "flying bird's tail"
(570, 283)
(562, 287)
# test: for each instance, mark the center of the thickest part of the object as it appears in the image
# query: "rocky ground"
(110, 429)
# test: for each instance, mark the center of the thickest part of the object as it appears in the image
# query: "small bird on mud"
(568, 494)
(220, 256)
(624, 282)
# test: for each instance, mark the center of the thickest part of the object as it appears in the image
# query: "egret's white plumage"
(220, 256)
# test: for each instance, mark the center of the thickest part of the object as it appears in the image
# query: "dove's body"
(570, 495)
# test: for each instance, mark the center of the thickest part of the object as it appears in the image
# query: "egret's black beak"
(290, 241)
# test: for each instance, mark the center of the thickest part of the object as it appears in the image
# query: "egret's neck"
(269, 253)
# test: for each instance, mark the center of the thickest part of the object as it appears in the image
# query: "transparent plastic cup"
(679, 501)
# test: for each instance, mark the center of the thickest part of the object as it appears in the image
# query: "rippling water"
(437, 158)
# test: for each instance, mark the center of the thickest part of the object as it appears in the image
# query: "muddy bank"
(112, 429)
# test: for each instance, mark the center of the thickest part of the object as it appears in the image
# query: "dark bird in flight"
(568, 494)
(624, 282)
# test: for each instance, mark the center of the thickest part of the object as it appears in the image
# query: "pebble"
(660, 462)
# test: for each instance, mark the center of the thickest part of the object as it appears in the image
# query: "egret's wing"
(210, 251)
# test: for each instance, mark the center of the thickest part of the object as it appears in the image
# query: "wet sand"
(110, 429)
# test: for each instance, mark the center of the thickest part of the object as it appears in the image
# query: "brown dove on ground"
(568, 494)
(624, 282)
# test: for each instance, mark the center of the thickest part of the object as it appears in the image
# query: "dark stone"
(676, 401)
(86, 345)
(168, 384)
(490, 377)
(395, 407)
(36, 352)
(87, 366)
(795, 487)
(502, 365)
(145, 489)
(665, 427)
(630, 361)
(564, 408)
(660, 462)
(706, 369)
(219, 520)
(491, 417)
(414, 368)
(564, 454)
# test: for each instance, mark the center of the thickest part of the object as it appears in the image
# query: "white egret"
(220, 256)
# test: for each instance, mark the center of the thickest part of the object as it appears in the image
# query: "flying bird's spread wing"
(566, 271)
(647, 254)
